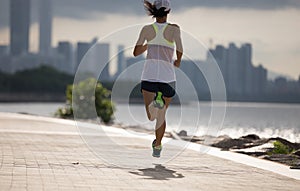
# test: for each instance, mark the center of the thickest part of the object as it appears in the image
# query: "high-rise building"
(93, 59)
(64, 49)
(194, 74)
(3, 50)
(45, 21)
(134, 68)
(101, 60)
(259, 80)
(82, 48)
(4, 59)
(281, 85)
(220, 55)
(247, 68)
(19, 26)
(233, 70)
(121, 60)
(236, 66)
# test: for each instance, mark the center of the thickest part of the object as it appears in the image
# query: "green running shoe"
(156, 149)
(159, 102)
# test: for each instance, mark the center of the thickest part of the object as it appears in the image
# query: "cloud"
(238, 4)
(86, 9)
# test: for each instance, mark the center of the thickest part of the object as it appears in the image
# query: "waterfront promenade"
(38, 153)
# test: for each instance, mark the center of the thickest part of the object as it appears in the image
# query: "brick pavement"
(42, 154)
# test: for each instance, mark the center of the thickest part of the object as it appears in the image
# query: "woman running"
(158, 77)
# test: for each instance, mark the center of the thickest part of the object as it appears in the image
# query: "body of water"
(263, 119)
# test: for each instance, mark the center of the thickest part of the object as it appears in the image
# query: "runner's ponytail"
(153, 11)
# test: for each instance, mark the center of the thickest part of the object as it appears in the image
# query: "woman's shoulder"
(174, 25)
(174, 28)
(148, 26)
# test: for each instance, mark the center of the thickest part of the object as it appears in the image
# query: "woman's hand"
(140, 49)
(177, 63)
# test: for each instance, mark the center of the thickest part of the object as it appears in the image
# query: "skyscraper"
(101, 57)
(64, 49)
(3, 50)
(82, 48)
(220, 54)
(121, 60)
(92, 57)
(233, 71)
(45, 20)
(248, 68)
(19, 26)
(259, 80)
(236, 66)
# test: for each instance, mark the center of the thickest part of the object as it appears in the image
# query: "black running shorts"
(167, 89)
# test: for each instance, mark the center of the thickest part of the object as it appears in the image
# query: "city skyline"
(270, 27)
(242, 78)
(64, 48)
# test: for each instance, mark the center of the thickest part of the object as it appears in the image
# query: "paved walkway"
(39, 153)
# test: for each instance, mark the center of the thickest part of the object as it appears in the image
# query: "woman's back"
(161, 46)
(160, 39)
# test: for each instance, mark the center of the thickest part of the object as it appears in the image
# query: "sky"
(271, 26)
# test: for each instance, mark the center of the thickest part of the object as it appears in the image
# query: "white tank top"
(159, 64)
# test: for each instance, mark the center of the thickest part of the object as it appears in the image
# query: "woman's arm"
(179, 47)
(140, 47)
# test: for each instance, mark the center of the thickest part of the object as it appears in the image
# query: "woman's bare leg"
(160, 127)
(148, 98)
(158, 114)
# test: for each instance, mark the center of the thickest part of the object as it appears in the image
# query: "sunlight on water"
(265, 120)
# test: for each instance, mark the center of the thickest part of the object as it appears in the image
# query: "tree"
(44, 79)
(85, 98)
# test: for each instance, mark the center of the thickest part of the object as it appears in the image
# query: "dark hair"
(153, 11)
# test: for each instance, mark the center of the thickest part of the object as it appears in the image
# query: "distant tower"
(248, 71)
(121, 60)
(101, 57)
(82, 49)
(3, 50)
(65, 50)
(45, 26)
(220, 54)
(19, 26)
(93, 57)
(233, 86)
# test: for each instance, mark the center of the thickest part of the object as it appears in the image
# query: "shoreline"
(60, 97)
(252, 145)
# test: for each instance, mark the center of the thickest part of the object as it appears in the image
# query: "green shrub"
(65, 112)
(280, 148)
(79, 99)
